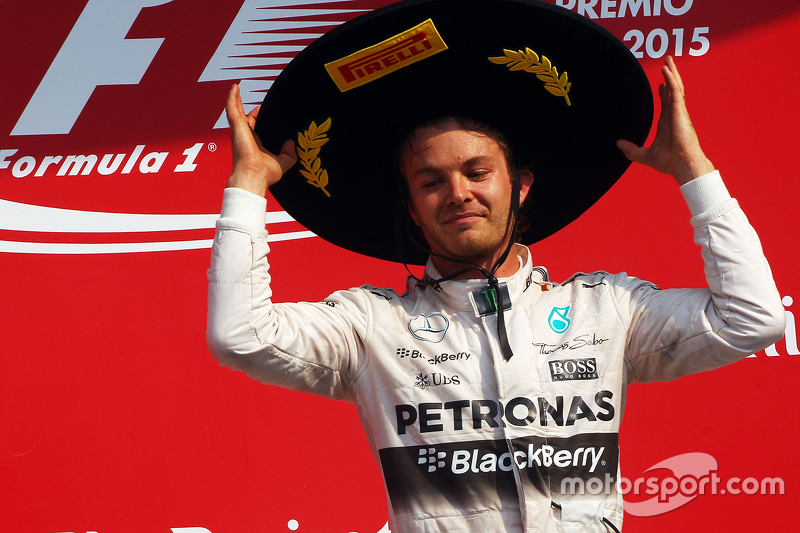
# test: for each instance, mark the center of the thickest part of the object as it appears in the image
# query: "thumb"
(288, 156)
(632, 152)
(627, 148)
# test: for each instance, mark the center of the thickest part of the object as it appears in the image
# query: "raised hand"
(254, 168)
(676, 149)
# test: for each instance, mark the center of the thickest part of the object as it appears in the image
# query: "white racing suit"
(470, 442)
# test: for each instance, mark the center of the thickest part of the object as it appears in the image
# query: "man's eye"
(475, 174)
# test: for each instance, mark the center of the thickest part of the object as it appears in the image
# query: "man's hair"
(406, 148)
(467, 124)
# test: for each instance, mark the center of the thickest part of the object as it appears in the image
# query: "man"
(520, 384)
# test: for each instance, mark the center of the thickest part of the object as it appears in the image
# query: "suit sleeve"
(309, 347)
(675, 332)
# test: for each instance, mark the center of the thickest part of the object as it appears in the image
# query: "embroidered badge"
(486, 300)
(558, 320)
(309, 144)
(429, 328)
(528, 60)
(402, 50)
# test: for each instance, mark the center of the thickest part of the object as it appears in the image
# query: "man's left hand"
(676, 149)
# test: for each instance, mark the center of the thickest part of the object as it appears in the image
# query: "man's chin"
(474, 252)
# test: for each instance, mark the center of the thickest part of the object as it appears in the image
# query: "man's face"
(460, 192)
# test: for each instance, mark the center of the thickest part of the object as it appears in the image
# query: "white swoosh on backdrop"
(16, 216)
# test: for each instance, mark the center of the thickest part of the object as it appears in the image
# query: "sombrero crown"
(559, 87)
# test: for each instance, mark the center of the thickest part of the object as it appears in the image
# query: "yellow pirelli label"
(371, 63)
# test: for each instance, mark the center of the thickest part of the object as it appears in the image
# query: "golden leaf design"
(533, 55)
(316, 143)
(528, 61)
(309, 143)
(553, 90)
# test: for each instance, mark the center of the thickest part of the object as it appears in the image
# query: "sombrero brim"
(560, 88)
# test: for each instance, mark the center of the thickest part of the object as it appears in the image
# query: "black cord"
(609, 524)
(505, 346)
(605, 520)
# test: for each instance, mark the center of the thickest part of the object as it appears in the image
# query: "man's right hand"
(254, 168)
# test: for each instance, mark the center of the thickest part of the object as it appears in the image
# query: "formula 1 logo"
(558, 320)
(96, 52)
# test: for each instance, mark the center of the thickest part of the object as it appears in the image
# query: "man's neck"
(506, 269)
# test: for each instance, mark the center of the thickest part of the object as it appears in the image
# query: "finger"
(673, 68)
(665, 96)
(254, 112)
(288, 156)
(233, 108)
(679, 114)
(252, 116)
(674, 85)
(665, 118)
(235, 114)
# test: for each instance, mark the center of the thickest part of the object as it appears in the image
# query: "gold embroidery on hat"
(308, 146)
(528, 60)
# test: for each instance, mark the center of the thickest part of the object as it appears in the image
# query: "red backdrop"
(115, 418)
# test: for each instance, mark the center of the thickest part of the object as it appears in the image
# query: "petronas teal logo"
(558, 320)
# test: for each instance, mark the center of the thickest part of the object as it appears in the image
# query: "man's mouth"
(461, 218)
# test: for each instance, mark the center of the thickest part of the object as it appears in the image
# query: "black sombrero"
(560, 88)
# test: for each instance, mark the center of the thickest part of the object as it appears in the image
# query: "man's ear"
(412, 210)
(525, 184)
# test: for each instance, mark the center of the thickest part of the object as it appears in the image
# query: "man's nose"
(459, 190)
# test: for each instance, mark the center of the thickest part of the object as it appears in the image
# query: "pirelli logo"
(371, 63)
